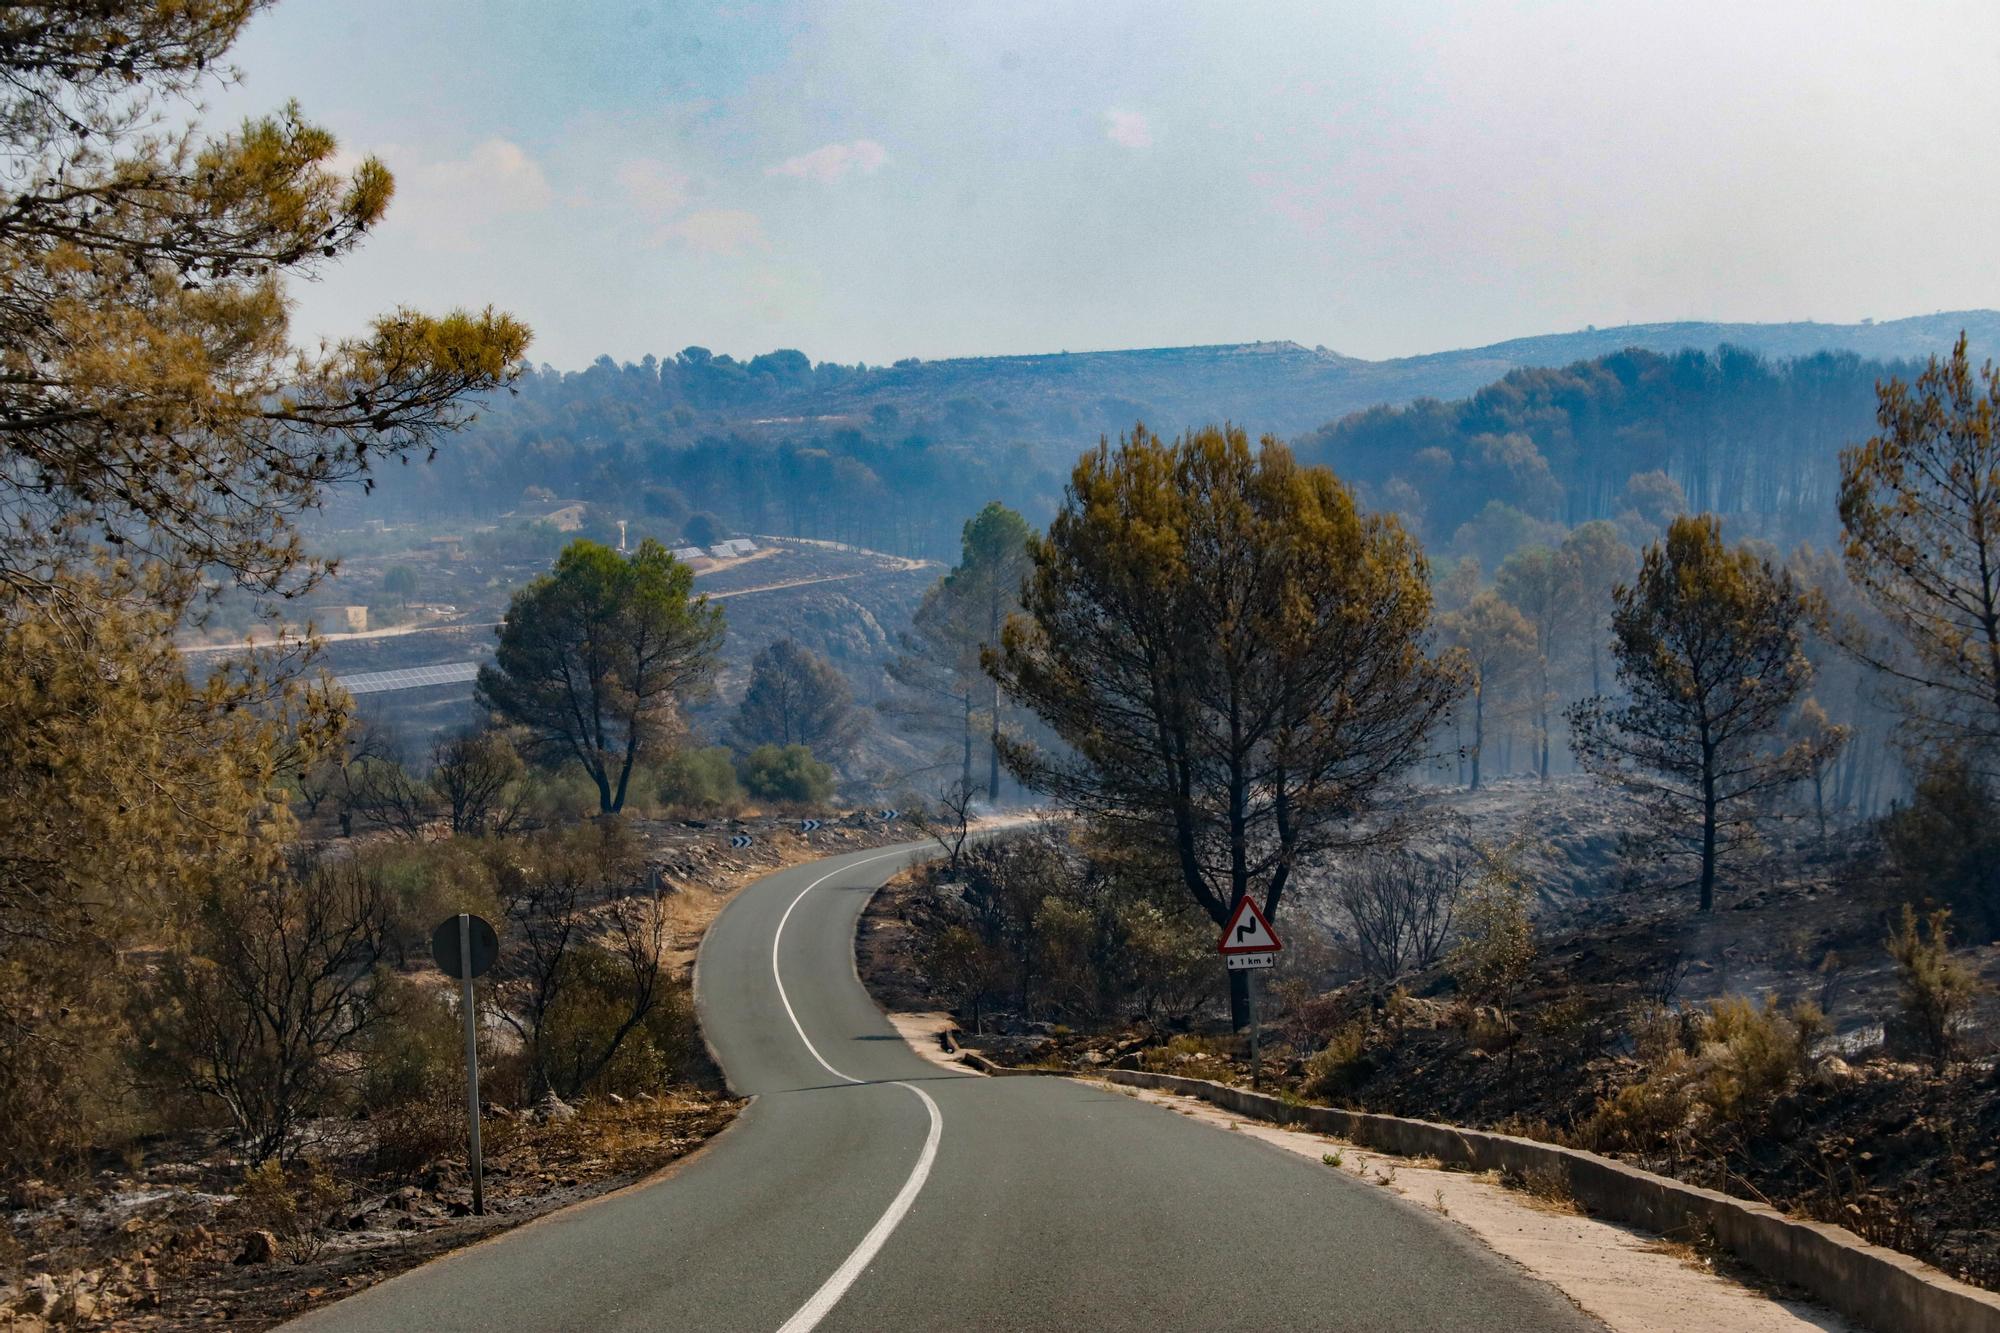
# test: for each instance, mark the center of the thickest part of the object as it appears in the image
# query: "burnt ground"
(164, 1238)
(1870, 1137)
(172, 1245)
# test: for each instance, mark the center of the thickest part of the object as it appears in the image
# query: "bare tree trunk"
(1478, 730)
(965, 761)
(1708, 845)
(1239, 1000)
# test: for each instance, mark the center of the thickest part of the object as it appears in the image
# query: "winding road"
(866, 1188)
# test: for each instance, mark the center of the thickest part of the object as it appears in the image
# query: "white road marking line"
(830, 1291)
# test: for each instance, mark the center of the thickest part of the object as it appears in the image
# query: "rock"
(33, 1194)
(552, 1107)
(38, 1296)
(259, 1247)
(75, 1306)
(365, 1218)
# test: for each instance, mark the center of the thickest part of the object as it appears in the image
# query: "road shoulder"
(1632, 1281)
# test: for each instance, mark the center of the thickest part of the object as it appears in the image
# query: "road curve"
(866, 1189)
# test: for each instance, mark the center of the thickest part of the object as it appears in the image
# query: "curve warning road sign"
(1247, 931)
(741, 840)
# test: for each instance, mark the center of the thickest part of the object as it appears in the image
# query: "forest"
(779, 445)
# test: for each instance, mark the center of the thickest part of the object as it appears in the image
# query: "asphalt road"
(866, 1188)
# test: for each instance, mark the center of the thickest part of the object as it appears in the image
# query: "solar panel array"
(411, 678)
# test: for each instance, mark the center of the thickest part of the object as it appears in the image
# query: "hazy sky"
(870, 181)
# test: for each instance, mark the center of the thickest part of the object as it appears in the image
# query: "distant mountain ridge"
(894, 457)
(1288, 388)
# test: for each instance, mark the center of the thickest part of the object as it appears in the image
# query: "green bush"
(1065, 940)
(1495, 953)
(785, 773)
(580, 1039)
(565, 796)
(427, 882)
(417, 1054)
(1945, 844)
(700, 780)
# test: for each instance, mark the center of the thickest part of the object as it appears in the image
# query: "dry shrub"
(294, 1205)
(1936, 989)
(1726, 1065)
(1188, 1048)
(1546, 1185)
(411, 1136)
(414, 1082)
(1644, 1112)
(1312, 1020)
(1750, 1055)
(1334, 1069)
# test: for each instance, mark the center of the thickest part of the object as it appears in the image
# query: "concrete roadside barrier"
(1882, 1289)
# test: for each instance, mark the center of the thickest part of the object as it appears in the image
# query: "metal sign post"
(466, 1007)
(1256, 1032)
(1249, 944)
(465, 946)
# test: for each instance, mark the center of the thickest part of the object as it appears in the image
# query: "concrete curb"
(986, 1066)
(1885, 1290)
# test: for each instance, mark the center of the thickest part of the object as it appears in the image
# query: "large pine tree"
(1231, 651)
(1709, 645)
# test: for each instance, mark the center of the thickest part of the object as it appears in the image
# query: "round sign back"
(485, 946)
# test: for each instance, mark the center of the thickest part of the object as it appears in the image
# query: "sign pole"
(466, 1007)
(1248, 944)
(1256, 1065)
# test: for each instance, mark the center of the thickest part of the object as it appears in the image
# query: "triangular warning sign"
(1248, 931)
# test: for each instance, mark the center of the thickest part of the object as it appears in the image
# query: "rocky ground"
(179, 1244)
(173, 1238)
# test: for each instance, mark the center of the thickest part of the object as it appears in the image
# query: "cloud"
(1128, 129)
(444, 203)
(833, 162)
(721, 231)
(655, 190)
(496, 176)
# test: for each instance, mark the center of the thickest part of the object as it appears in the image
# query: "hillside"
(1286, 388)
(894, 457)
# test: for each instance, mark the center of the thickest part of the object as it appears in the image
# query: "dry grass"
(1547, 1186)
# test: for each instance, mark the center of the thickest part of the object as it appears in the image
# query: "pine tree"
(1920, 512)
(796, 697)
(1232, 653)
(1709, 649)
(150, 398)
(961, 616)
(1498, 645)
(595, 656)
(1546, 587)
